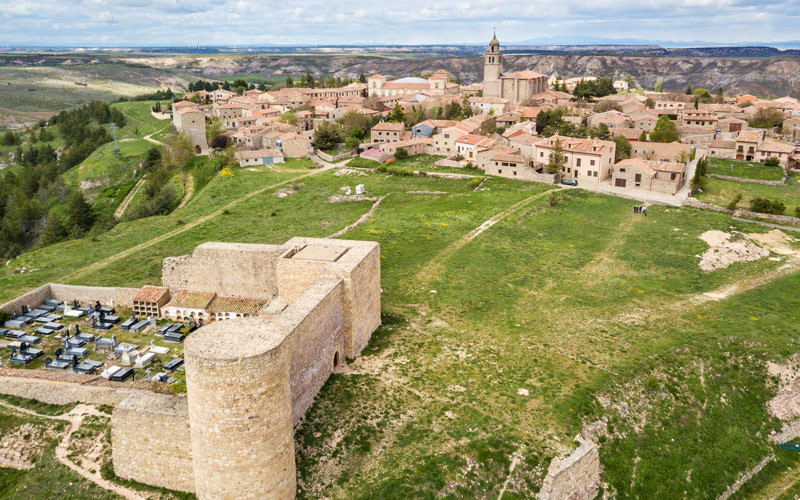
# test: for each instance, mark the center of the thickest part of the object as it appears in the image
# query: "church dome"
(495, 42)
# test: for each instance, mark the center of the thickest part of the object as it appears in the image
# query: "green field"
(594, 311)
(744, 169)
(721, 192)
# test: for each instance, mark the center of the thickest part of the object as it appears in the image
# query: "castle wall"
(295, 276)
(230, 269)
(237, 377)
(362, 302)
(60, 392)
(151, 441)
(315, 333)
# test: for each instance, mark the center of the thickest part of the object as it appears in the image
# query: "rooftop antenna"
(116, 142)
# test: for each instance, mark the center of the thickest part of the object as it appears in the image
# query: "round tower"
(240, 415)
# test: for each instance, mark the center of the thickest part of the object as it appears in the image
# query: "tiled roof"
(722, 144)
(750, 136)
(473, 139)
(652, 165)
(151, 293)
(260, 153)
(776, 147)
(516, 158)
(389, 126)
(236, 305)
(523, 75)
(188, 298)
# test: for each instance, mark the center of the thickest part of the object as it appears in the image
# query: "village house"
(669, 107)
(413, 146)
(444, 143)
(428, 128)
(699, 118)
(227, 113)
(644, 120)
(774, 149)
(587, 159)
(387, 132)
(747, 144)
(660, 176)
(491, 105)
(612, 118)
(661, 151)
(720, 148)
(220, 95)
(192, 122)
(259, 157)
(468, 146)
(512, 165)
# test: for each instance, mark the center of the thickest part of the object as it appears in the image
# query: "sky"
(298, 22)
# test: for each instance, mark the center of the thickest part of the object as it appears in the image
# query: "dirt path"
(149, 137)
(127, 201)
(189, 192)
(436, 265)
(75, 419)
(186, 227)
(780, 484)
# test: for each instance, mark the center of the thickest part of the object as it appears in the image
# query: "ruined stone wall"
(151, 442)
(315, 326)
(575, 478)
(240, 411)
(61, 393)
(32, 298)
(116, 296)
(230, 269)
(751, 181)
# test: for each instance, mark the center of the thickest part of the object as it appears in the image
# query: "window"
(638, 178)
(591, 162)
(515, 172)
(500, 171)
(622, 170)
(578, 163)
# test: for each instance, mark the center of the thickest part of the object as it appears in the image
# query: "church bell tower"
(492, 69)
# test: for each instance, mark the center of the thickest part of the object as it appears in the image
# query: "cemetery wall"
(89, 294)
(229, 269)
(61, 393)
(151, 442)
(314, 325)
(32, 299)
(577, 477)
(240, 411)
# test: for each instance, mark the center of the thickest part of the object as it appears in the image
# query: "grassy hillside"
(498, 347)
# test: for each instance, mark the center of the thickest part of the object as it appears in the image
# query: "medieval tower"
(492, 69)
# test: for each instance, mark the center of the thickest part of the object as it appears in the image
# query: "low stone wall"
(150, 440)
(31, 299)
(575, 478)
(61, 393)
(333, 158)
(113, 296)
(447, 162)
(784, 219)
(751, 181)
(695, 203)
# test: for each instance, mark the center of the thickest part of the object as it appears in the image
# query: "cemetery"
(287, 316)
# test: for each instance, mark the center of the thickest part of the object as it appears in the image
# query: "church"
(516, 87)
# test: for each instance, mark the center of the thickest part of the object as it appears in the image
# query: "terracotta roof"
(777, 147)
(750, 136)
(573, 145)
(389, 126)
(516, 158)
(151, 293)
(259, 153)
(183, 111)
(376, 76)
(236, 305)
(473, 139)
(722, 144)
(191, 299)
(184, 104)
(523, 75)
(652, 165)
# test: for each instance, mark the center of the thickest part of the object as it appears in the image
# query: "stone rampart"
(151, 442)
(229, 269)
(575, 478)
(61, 392)
(31, 299)
(751, 181)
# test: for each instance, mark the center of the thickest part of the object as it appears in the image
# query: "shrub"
(474, 182)
(797, 212)
(767, 206)
(735, 201)
(772, 161)
(401, 154)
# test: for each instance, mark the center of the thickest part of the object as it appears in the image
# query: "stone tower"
(492, 69)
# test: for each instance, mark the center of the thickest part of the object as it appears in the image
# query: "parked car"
(569, 182)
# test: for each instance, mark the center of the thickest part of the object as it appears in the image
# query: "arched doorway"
(336, 359)
(197, 150)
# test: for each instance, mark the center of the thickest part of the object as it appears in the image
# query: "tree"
(629, 80)
(767, 206)
(659, 87)
(80, 212)
(289, 82)
(180, 149)
(362, 78)
(397, 114)
(603, 106)
(602, 132)
(152, 157)
(772, 161)
(9, 139)
(326, 136)
(720, 95)
(289, 117)
(643, 136)
(213, 128)
(401, 154)
(664, 131)
(220, 142)
(766, 118)
(688, 90)
(557, 160)
(649, 103)
(330, 82)
(623, 149)
(54, 231)
(698, 180)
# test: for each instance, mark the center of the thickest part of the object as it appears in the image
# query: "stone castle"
(249, 380)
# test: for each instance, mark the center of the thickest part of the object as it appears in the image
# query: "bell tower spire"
(492, 68)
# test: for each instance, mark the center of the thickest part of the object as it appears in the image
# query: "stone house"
(660, 176)
(444, 143)
(492, 105)
(192, 122)
(413, 146)
(774, 149)
(259, 157)
(663, 151)
(387, 132)
(220, 95)
(669, 107)
(293, 145)
(720, 148)
(699, 117)
(747, 144)
(428, 128)
(644, 120)
(468, 146)
(612, 118)
(227, 113)
(510, 165)
(588, 160)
